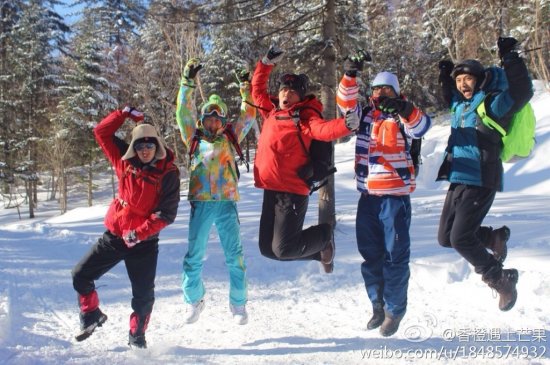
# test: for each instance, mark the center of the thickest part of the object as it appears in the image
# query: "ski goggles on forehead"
(144, 146)
(213, 110)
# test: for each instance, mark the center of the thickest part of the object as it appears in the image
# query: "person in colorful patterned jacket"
(385, 178)
(213, 191)
(472, 162)
(280, 156)
(148, 198)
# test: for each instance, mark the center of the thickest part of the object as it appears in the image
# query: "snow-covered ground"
(298, 315)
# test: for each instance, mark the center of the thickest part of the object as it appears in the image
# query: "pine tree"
(85, 98)
(37, 36)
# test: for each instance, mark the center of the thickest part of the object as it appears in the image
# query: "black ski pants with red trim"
(141, 265)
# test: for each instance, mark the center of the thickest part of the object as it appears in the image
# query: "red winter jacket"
(148, 195)
(279, 155)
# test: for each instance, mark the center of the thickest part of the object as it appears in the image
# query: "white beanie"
(145, 132)
(387, 78)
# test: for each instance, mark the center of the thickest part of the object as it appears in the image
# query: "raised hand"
(273, 56)
(505, 45)
(132, 113)
(192, 68)
(242, 75)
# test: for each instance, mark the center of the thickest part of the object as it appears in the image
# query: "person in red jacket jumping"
(148, 198)
(279, 158)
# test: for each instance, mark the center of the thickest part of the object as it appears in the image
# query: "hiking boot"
(327, 255)
(137, 340)
(377, 318)
(89, 322)
(505, 285)
(497, 243)
(390, 324)
(239, 313)
(194, 311)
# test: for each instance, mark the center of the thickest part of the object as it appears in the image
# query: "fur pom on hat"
(386, 78)
(144, 133)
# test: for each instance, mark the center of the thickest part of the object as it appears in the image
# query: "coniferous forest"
(64, 67)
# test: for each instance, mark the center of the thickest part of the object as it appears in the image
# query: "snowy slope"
(298, 315)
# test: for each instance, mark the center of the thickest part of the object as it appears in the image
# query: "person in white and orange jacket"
(385, 177)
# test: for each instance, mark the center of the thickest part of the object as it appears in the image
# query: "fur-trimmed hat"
(386, 78)
(145, 133)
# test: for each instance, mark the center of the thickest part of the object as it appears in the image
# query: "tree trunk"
(28, 190)
(90, 185)
(327, 203)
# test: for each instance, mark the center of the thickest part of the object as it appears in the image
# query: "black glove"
(505, 46)
(446, 67)
(242, 75)
(396, 106)
(192, 68)
(273, 56)
(353, 64)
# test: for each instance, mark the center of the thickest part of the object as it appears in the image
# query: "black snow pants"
(141, 265)
(460, 227)
(281, 223)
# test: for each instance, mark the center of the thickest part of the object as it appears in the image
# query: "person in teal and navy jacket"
(472, 161)
(213, 190)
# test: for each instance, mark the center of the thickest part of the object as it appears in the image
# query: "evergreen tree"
(38, 36)
(10, 12)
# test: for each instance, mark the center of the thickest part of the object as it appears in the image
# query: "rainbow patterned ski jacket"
(213, 170)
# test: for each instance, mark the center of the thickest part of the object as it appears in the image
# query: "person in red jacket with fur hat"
(148, 197)
(280, 157)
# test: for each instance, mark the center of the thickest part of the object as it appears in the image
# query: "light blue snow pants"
(224, 215)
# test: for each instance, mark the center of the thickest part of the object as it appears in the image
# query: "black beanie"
(471, 67)
(298, 83)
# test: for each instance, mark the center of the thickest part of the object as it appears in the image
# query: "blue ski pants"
(224, 215)
(382, 230)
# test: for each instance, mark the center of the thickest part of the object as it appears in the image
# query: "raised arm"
(446, 82)
(185, 108)
(260, 80)
(104, 133)
(247, 115)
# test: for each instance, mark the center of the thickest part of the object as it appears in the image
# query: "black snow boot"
(497, 243)
(505, 285)
(89, 322)
(136, 335)
(377, 316)
(137, 340)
